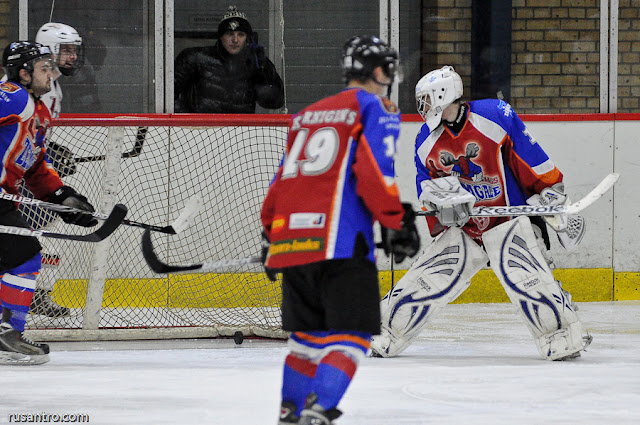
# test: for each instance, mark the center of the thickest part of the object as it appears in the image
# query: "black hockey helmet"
(362, 54)
(21, 55)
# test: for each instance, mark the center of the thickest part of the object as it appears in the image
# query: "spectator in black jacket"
(230, 77)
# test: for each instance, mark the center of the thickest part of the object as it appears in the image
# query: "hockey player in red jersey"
(335, 180)
(481, 153)
(24, 121)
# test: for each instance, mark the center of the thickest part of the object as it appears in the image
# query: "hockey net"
(229, 161)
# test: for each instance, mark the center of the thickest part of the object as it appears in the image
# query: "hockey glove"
(569, 228)
(61, 159)
(451, 202)
(67, 196)
(404, 242)
(271, 273)
(553, 195)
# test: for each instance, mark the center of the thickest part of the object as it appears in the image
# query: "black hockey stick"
(141, 135)
(159, 267)
(183, 221)
(108, 227)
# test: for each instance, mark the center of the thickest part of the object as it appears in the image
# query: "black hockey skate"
(16, 348)
(314, 414)
(288, 414)
(43, 304)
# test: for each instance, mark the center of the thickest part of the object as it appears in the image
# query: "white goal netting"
(229, 164)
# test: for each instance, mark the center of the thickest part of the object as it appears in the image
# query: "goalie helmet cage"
(229, 161)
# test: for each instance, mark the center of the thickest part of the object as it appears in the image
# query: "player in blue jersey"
(24, 121)
(481, 153)
(335, 180)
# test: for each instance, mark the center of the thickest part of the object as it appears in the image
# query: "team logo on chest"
(470, 173)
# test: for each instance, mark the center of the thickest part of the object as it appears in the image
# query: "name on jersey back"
(332, 116)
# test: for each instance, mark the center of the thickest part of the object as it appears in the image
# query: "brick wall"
(629, 56)
(555, 56)
(555, 52)
(4, 23)
(446, 37)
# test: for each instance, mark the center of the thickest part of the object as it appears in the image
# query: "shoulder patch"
(9, 87)
(505, 107)
(389, 106)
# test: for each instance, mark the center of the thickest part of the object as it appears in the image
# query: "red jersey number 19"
(320, 151)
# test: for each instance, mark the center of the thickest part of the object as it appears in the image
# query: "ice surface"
(475, 364)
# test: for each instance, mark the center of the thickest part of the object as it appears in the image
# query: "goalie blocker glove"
(404, 242)
(569, 228)
(68, 197)
(553, 195)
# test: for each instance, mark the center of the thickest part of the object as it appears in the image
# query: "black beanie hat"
(234, 21)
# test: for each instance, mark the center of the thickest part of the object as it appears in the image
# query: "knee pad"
(436, 278)
(547, 310)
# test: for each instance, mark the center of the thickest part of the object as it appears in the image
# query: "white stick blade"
(191, 209)
(597, 192)
(222, 265)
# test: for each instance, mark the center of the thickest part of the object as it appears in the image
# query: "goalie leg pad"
(436, 278)
(548, 313)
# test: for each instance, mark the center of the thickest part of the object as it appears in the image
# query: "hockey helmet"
(362, 54)
(56, 35)
(22, 55)
(435, 92)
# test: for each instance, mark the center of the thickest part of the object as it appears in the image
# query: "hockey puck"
(238, 337)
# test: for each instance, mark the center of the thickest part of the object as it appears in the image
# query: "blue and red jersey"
(336, 178)
(23, 127)
(494, 156)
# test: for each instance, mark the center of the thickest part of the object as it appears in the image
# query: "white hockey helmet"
(54, 35)
(435, 92)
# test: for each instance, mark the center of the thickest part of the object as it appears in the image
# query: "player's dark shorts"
(341, 295)
(15, 250)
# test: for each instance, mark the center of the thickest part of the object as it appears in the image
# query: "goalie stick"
(108, 227)
(191, 208)
(533, 210)
(159, 267)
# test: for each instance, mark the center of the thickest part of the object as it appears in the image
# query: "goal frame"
(115, 124)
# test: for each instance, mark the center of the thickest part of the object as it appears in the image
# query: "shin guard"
(436, 278)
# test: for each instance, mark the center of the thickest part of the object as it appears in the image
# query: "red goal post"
(153, 163)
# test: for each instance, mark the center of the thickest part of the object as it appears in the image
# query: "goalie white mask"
(435, 92)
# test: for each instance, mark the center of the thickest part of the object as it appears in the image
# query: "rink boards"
(585, 148)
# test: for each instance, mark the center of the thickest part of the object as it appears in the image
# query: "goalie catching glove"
(404, 242)
(449, 199)
(68, 197)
